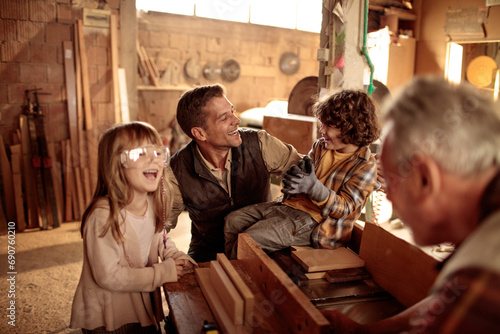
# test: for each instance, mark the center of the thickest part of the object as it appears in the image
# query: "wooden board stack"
(230, 299)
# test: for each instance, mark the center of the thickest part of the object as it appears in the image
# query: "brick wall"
(176, 39)
(31, 56)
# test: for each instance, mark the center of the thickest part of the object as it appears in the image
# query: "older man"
(441, 158)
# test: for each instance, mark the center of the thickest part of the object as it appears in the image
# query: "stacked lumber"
(230, 299)
(70, 164)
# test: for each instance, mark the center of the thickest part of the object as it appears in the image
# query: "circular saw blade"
(289, 63)
(230, 70)
(192, 69)
(211, 71)
(303, 96)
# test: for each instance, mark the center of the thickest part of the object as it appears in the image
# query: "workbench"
(401, 275)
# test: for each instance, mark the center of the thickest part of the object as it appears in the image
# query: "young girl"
(122, 234)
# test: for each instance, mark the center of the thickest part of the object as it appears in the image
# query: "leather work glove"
(305, 182)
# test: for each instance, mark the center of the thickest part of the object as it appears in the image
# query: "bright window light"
(292, 14)
(236, 10)
(276, 13)
(184, 7)
(454, 56)
(309, 15)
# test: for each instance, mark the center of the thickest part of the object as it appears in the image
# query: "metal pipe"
(365, 49)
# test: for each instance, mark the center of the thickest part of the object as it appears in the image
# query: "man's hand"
(304, 181)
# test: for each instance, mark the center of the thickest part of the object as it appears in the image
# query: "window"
(292, 14)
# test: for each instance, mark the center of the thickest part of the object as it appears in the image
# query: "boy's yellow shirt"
(329, 161)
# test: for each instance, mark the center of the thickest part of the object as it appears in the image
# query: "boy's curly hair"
(353, 112)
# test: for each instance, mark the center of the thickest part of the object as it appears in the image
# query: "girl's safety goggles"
(142, 156)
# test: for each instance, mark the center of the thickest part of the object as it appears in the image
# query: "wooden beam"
(8, 188)
(16, 158)
(56, 177)
(114, 69)
(32, 216)
(85, 77)
(68, 184)
(395, 265)
(84, 157)
(284, 296)
(69, 71)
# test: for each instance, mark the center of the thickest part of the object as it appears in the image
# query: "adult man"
(441, 158)
(222, 169)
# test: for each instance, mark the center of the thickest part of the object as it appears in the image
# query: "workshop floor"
(48, 266)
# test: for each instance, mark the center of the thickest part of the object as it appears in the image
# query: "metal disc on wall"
(289, 63)
(192, 68)
(230, 70)
(303, 96)
(211, 71)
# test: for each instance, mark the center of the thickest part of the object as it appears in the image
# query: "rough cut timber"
(294, 308)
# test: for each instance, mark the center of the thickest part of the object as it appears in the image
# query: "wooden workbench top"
(189, 309)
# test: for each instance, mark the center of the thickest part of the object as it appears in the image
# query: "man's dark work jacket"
(208, 203)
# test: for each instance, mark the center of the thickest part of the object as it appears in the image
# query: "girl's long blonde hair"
(112, 183)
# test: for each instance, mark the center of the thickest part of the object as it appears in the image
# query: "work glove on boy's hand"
(305, 182)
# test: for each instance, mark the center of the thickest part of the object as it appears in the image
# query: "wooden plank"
(92, 140)
(32, 217)
(16, 158)
(50, 198)
(56, 177)
(86, 186)
(85, 77)
(8, 188)
(346, 275)
(397, 265)
(299, 314)
(314, 260)
(297, 130)
(316, 275)
(114, 68)
(68, 208)
(70, 178)
(79, 189)
(84, 161)
(69, 71)
(229, 296)
(123, 95)
(243, 289)
(216, 305)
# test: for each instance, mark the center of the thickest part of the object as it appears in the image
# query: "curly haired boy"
(326, 190)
